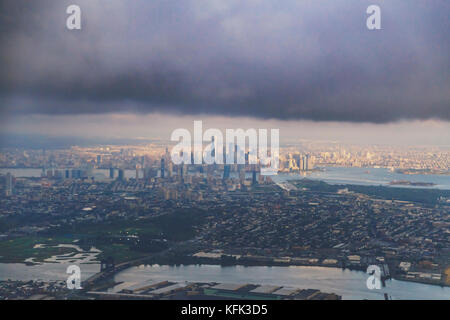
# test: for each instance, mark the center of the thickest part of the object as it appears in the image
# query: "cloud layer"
(311, 60)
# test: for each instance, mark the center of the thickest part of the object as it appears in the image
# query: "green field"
(18, 249)
(121, 239)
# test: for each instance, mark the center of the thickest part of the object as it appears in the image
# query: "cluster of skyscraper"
(298, 162)
(75, 173)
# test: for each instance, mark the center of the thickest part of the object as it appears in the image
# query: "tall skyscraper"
(302, 165)
(170, 169)
(111, 173)
(149, 173)
(310, 163)
(88, 171)
(307, 162)
(76, 174)
(163, 173)
(224, 154)
(167, 154)
(292, 164)
(121, 175)
(226, 172)
(242, 174)
(9, 184)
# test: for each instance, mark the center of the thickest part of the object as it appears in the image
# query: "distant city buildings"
(297, 163)
(292, 158)
(9, 184)
(226, 171)
(163, 168)
(121, 176)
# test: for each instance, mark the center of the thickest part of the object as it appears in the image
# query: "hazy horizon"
(312, 69)
(129, 128)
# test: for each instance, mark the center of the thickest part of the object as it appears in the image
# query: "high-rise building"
(224, 154)
(149, 173)
(57, 174)
(76, 174)
(99, 160)
(88, 171)
(111, 173)
(292, 165)
(226, 172)
(297, 158)
(167, 154)
(163, 174)
(170, 169)
(308, 162)
(303, 164)
(9, 184)
(242, 175)
(254, 181)
(121, 176)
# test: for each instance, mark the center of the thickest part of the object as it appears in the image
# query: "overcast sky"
(312, 61)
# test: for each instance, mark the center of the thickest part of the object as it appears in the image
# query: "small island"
(423, 171)
(410, 183)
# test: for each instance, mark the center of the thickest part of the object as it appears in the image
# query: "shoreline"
(204, 261)
(268, 265)
(324, 266)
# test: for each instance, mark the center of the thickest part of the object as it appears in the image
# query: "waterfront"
(349, 284)
(44, 271)
(368, 177)
(331, 175)
(36, 173)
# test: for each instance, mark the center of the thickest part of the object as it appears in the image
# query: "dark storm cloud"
(269, 59)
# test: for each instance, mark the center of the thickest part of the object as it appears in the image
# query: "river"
(348, 284)
(44, 272)
(368, 177)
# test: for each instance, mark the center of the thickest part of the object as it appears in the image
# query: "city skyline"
(224, 149)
